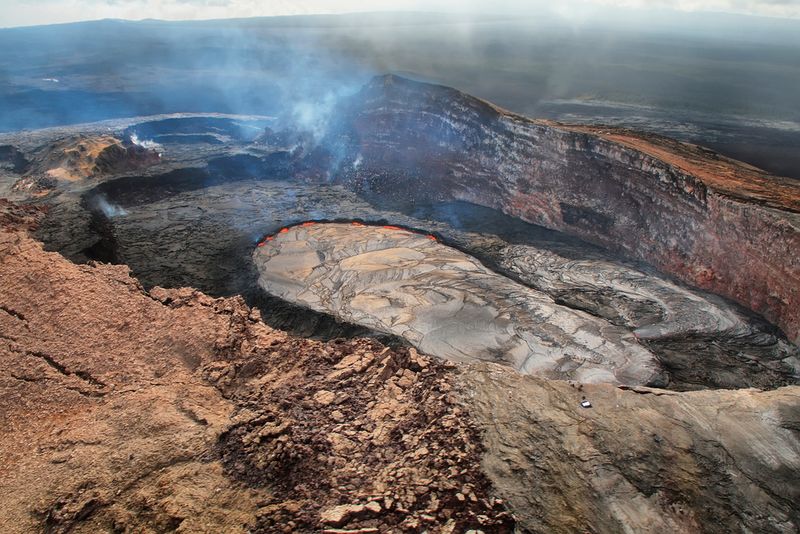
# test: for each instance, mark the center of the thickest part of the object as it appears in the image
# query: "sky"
(35, 12)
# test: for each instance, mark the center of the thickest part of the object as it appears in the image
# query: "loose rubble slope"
(140, 412)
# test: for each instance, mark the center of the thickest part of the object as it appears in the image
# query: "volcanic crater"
(194, 220)
(435, 222)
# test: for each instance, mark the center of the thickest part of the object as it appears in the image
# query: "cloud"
(31, 12)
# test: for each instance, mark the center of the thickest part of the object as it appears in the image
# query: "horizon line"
(495, 17)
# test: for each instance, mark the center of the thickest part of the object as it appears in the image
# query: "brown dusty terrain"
(171, 411)
(134, 412)
(79, 157)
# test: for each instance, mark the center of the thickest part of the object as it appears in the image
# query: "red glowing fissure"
(353, 223)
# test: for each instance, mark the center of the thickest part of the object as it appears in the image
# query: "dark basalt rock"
(11, 158)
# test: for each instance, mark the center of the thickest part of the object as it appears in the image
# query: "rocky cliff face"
(712, 222)
(639, 460)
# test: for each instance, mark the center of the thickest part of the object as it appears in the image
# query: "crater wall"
(712, 222)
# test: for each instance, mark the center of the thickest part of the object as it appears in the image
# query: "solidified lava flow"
(356, 224)
(448, 304)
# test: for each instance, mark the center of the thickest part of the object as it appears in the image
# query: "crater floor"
(447, 303)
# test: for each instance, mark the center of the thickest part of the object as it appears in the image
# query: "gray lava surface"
(446, 303)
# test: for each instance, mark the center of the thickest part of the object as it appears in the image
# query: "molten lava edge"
(355, 223)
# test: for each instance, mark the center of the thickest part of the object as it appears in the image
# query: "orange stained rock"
(724, 175)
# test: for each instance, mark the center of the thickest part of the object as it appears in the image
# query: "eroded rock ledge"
(172, 411)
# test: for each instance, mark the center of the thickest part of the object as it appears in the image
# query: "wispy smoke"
(109, 209)
(312, 115)
(146, 143)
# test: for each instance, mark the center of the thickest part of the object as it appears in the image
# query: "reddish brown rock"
(75, 158)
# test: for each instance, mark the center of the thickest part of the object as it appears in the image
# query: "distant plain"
(731, 83)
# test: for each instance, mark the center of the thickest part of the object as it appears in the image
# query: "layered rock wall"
(712, 222)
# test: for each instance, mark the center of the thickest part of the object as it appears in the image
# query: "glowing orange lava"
(265, 240)
(285, 230)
